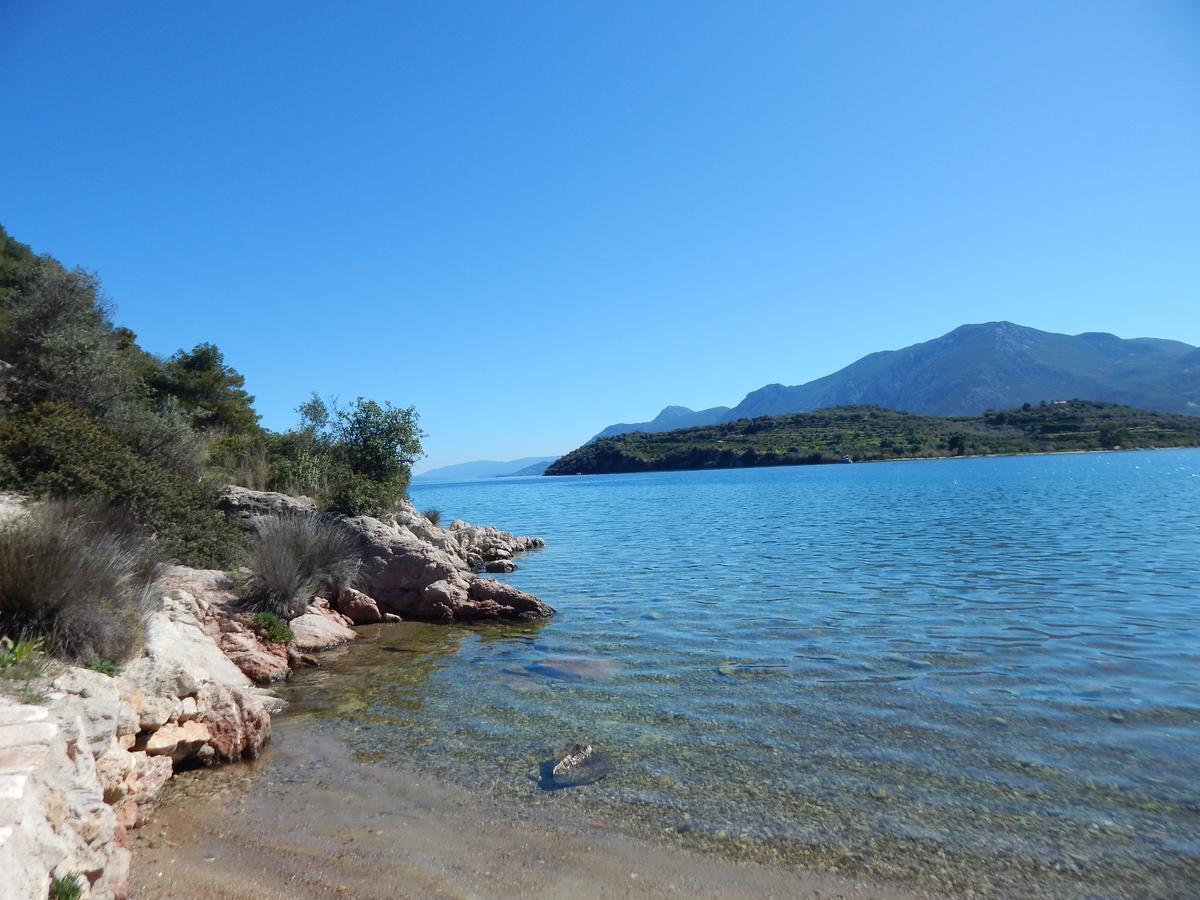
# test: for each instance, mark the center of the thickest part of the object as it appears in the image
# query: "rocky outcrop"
(489, 543)
(473, 545)
(54, 816)
(77, 774)
(247, 504)
(412, 578)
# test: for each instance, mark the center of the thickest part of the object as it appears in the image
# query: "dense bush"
(85, 412)
(56, 450)
(291, 557)
(212, 392)
(354, 459)
(78, 577)
(273, 628)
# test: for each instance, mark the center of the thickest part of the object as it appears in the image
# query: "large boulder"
(397, 565)
(358, 607)
(320, 629)
(177, 640)
(413, 579)
(247, 504)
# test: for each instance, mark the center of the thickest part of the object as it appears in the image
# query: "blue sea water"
(978, 673)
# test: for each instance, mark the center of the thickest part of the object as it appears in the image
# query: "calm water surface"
(983, 674)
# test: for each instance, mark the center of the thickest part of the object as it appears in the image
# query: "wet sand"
(308, 821)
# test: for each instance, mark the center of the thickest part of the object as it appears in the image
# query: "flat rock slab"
(315, 631)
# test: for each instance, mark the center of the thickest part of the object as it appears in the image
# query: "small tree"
(212, 392)
(356, 459)
(1112, 435)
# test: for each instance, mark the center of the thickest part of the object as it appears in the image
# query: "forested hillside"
(873, 433)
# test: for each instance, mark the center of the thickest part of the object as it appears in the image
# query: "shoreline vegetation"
(165, 560)
(875, 434)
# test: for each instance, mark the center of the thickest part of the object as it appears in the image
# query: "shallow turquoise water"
(976, 673)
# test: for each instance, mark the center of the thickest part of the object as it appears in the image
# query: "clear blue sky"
(531, 220)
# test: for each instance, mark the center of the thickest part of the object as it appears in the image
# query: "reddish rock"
(128, 814)
(238, 722)
(298, 660)
(259, 662)
(358, 607)
(148, 789)
(178, 741)
(496, 599)
(319, 629)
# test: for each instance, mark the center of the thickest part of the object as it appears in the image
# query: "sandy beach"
(308, 821)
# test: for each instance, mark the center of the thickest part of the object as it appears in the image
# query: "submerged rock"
(579, 765)
(568, 668)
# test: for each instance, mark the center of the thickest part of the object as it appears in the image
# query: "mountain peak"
(996, 365)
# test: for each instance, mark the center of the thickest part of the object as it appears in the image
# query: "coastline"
(308, 821)
(890, 459)
(86, 756)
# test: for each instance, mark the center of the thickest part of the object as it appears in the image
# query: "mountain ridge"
(975, 367)
(670, 418)
(486, 468)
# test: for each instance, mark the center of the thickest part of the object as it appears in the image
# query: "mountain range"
(488, 468)
(995, 365)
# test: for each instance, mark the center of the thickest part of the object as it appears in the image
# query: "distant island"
(992, 365)
(863, 433)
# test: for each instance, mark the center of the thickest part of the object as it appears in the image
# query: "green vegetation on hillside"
(872, 433)
(134, 451)
(86, 413)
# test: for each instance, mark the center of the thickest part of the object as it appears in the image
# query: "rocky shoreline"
(78, 773)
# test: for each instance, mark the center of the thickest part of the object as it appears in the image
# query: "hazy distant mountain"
(997, 365)
(670, 418)
(487, 468)
(537, 468)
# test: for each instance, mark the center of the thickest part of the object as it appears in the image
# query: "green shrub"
(291, 557)
(212, 393)
(22, 658)
(104, 667)
(354, 460)
(66, 887)
(359, 495)
(433, 515)
(241, 459)
(273, 628)
(57, 450)
(58, 336)
(79, 578)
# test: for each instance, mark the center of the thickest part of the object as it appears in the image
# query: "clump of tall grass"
(78, 577)
(66, 887)
(434, 515)
(293, 556)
